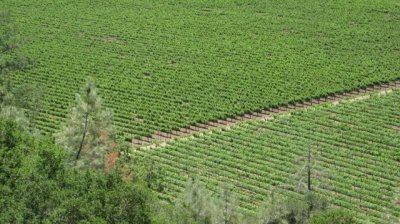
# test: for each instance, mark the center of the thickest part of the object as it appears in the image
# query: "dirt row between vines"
(161, 138)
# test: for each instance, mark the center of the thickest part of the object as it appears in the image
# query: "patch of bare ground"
(161, 138)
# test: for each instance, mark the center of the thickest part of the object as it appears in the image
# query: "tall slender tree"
(314, 177)
(227, 206)
(89, 131)
(196, 203)
(310, 175)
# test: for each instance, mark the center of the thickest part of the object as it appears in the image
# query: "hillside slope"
(354, 145)
(162, 65)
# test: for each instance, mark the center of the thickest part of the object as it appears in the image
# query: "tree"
(282, 211)
(16, 114)
(196, 203)
(29, 97)
(149, 171)
(37, 187)
(227, 206)
(196, 206)
(296, 210)
(13, 99)
(89, 131)
(306, 178)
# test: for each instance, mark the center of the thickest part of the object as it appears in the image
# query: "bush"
(333, 216)
(36, 186)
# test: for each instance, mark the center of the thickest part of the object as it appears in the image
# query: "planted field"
(162, 65)
(355, 148)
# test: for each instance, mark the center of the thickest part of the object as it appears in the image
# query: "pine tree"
(196, 203)
(89, 132)
(10, 60)
(297, 210)
(228, 208)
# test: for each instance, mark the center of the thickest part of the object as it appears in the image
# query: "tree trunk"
(84, 132)
(226, 210)
(309, 171)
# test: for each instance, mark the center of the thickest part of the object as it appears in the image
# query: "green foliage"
(16, 114)
(165, 213)
(334, 216)
(196, 203)
(196, 206)
(29, 97)
(151, 173)
(89, 132)
(36, 187)
(227, 207)
(12, 98)
(357, 154)
(290, 210)
(311, 175)
(10, 42)
(163, 65)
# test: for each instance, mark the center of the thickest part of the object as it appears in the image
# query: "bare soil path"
(161, 138)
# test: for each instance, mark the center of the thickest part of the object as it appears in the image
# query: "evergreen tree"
(297, 210)
(11, 60)
(282, 211)
(308, 177)
(196, 203)
(37, 187)
(227, 206)
(15, 114)
(89, 132)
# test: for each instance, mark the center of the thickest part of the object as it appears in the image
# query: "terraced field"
(163, 65)
(355, 145)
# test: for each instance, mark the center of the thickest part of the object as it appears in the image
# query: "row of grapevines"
(164, 65)
(355, 146)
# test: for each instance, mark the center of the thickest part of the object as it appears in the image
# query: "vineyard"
(355, 148)
(165, 65)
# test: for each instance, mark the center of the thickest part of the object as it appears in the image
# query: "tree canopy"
(89, 131)
(36, 186)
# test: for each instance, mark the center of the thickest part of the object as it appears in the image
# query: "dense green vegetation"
(162, 65)
(89, 133)
(354, 146)
(89, 181)
(36, 186)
